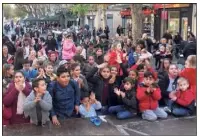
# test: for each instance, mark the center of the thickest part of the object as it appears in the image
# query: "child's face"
(26, 66)
(39, 54)
(63, 79)
(42, 86)
(162, 48)
(114, 71)
(187, 62)
(91, 60)
(127, 86)
(148, 80)
(119, 47)
(166, 63)
(183, 86)
(132, 75)
(86, 101)
(167, 50)
(99, 52)
(49, 69)
(11, 71)
(105, 73)
(41, 71)
(77, 71)
(138, 48)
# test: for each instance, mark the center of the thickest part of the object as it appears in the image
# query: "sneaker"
(166, 109)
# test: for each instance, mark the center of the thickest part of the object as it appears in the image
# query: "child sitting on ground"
(182, 100)
(148, 95)
(190, 72)
(89, 105)
(128, 98)
(38, 103)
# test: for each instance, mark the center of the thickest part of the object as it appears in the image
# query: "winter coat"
(103, 90)
(69, 50)
(148, 100)
(30, 107)
(185, 99)
(31, 74)
(190, 49)
(10, 100)
(51, 45)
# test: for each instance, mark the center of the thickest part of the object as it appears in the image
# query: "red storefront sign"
(160, 6)
(127, 12)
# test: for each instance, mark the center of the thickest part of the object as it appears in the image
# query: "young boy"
(183, 99)
(89, 105)
(128, 98)
(28, 71)
(148, 95)
(38, 103)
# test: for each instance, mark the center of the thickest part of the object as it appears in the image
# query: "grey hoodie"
(45, 105)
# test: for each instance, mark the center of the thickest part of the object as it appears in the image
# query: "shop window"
(173, 21)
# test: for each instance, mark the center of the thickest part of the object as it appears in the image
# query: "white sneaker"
(166, 109)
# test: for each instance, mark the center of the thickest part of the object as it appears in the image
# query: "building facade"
(173, 17)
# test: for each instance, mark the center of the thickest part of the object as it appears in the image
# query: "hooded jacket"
(69, 50)
(148, 100)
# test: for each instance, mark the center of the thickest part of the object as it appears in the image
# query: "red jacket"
(10, 100)
(148, 101)
(185, 98)
(190, 74)
(141, 77)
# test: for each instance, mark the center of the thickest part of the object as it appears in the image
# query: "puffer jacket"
(147, 100)
(69, 50)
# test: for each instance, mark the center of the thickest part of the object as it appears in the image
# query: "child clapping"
(89, 105)
(38, 103)
(183, 99)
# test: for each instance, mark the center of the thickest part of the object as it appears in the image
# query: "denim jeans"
(152, 115)
(122, 113)
(180, 112)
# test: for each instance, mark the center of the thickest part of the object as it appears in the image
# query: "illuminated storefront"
(172, 17)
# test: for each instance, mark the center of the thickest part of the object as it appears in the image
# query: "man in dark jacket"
(147, 42)
(167, 83)
(65, 96)
(167, 35)
(51, 43)
(190, 48)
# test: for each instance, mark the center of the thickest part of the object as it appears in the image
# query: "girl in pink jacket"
(69, 48)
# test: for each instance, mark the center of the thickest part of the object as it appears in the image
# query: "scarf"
(20, 102)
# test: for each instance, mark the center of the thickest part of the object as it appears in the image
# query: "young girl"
(159, 55)
(69, 48)
(38, 104)
(116, 51)
(148, 95)
(183, 99)
(168, 53)
(190, 72)
(79, 78)
(15, 97)
(8, 73)
(128, 97)
(41, 74)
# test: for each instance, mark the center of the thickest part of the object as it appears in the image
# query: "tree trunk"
(82, 19)
(104, 16)
(136, 10)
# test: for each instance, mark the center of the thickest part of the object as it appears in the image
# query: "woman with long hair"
(19, 59)
(15, 97)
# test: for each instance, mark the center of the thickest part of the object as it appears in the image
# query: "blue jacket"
(31, 74)
(64, 99)
(131, 60)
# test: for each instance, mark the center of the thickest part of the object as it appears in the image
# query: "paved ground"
(134, 127)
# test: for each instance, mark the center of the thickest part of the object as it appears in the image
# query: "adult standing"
(119, 30)
(51, 43)
(107, 31)
(147, 42)
(167, 35)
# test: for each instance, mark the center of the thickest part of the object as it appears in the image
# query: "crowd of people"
(51, 79)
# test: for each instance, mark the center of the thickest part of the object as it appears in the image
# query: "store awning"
(160, 6)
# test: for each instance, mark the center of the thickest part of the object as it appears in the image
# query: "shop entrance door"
(184, 27)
